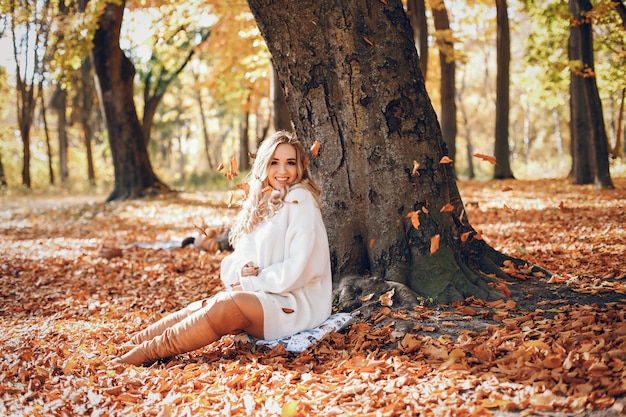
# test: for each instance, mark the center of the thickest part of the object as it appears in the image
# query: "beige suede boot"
(190, 334)
(219, 317)
(170, 320)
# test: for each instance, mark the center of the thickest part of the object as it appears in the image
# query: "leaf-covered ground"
(553, 349)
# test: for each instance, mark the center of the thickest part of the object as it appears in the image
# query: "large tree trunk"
(134, 176)
(447, 63)
(352, 82)
(503, 167)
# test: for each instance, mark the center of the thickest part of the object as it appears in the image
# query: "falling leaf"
(445, 160)
(488, 158)
(415, 220)
(233, 167)
(220, 167)
(448, 208)
(416, 166)
(315, 148)
(245, 187)
(368, 41)
(465, 236)
(371, 245)
(434, 244)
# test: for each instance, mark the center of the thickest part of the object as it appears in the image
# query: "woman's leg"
(225, 313)
(159, 327)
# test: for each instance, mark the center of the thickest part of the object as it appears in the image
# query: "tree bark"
(134, 176)
(502, 153)
(353, 83)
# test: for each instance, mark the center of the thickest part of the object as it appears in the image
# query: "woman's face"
(283, 167)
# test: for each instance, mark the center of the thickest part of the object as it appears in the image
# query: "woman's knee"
(235, 312)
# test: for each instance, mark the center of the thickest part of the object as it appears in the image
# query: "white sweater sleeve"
(306, 250)
(231, 267)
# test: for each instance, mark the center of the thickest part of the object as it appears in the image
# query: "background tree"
(416, 10)
(356, 87)
(28, 18)
(134, 176)
(173, 47)
(447, 64)
(583, 74)
(502, 168)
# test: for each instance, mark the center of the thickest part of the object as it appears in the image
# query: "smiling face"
(282, 169)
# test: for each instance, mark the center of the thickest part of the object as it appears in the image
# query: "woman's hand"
(249, 269)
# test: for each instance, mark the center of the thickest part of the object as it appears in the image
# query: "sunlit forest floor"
(74, 285)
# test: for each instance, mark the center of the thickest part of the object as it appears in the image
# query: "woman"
(278, 280)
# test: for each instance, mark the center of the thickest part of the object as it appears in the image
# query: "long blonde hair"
(261, 204)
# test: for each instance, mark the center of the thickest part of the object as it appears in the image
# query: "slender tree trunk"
(620, 127)
(244, 140)
(416, 10)
(59, 105)
(447, 62)
(526, 132)
(356, 87)
(502, 152)
(86, 98)
(582, 169)
(3, 178)
(599, 140)
(205, 128)
(46, 133)
(558, 133)
(134, 176)
(282, 120)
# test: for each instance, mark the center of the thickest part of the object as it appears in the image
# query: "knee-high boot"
(170, 320)
(219, 317)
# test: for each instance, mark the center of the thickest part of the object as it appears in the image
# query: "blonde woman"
(277, 281)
